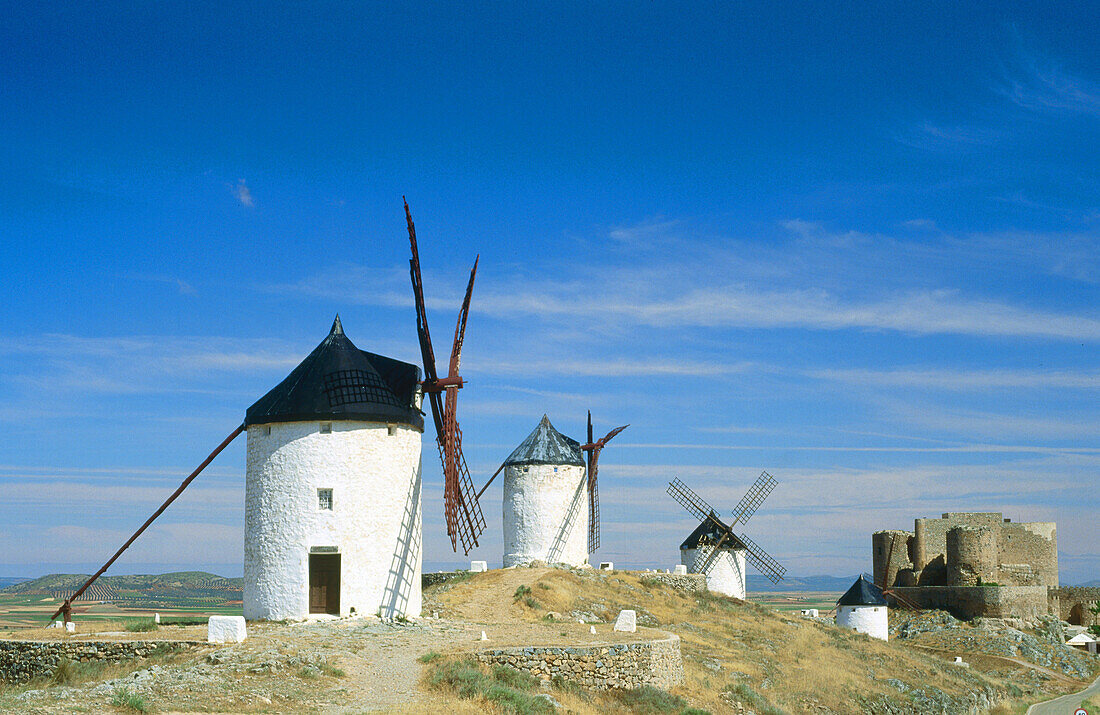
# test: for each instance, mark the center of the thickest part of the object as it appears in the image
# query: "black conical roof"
(709, 532)
(545, 445)
(862, 593)
(338, 381)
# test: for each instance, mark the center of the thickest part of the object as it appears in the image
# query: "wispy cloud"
(963, 379)
(1043, 85)
(243, 194)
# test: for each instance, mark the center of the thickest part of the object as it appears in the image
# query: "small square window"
(326, 428)
(324, 499)
(392, 429)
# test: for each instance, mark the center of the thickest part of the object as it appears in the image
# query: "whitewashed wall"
(375, 521)
(545, 514)
(872, 620)
(726, 574)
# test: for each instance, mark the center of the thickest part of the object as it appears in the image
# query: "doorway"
(324, 583)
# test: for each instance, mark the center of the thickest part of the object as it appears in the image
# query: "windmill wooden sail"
(716, 534)
(460, 506)
(594, 448)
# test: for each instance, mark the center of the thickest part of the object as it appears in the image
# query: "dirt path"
(1061, 677)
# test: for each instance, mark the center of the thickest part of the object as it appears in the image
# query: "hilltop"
(185, 584)
(738, 657)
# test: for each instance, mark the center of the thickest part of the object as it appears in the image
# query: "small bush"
(128, 700)
(531, 602)
(544, 586)
(744, 694)
(430, 657)
(65, 673)
(332, 671)
(512, 678)
(648, 699)
(309, 672)
(506, 686)
(141, 625)
(521, 591)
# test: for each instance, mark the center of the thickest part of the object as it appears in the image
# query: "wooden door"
(324, 583)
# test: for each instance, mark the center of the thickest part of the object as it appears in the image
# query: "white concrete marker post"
(225, 629)
(607, 566)
(478, 566)
(70, 627)
(592, 630)
(680, 570)
(483, 637)
(156, 618)
(627, 621)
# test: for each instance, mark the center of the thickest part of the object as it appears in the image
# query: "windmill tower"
(332, 488)
(714, 550)
(545, 500)
(863, 608)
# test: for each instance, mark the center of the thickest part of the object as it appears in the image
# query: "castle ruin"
(977, 564)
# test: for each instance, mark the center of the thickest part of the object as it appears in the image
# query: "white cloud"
(243, 194)
(962, 379)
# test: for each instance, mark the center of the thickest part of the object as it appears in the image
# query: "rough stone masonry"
(614, 666)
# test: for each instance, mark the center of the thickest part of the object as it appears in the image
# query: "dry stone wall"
(21, 661)
(622, 666)
(691, 583)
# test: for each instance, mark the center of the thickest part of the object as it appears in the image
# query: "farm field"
(795, 601)
(18, 611)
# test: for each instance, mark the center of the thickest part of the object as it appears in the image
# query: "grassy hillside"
(741, 653)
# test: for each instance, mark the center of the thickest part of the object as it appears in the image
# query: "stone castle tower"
(545, 500)
(332, 488)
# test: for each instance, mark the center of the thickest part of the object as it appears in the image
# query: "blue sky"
(859, 249)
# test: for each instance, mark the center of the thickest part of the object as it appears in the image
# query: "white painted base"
(478, 566)
(545, 514)
(374, 523)
(726, 574)
(225, 629)
(872, 620)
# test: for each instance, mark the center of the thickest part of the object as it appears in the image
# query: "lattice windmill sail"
(461, 509)
(715, 550)
(594, 448)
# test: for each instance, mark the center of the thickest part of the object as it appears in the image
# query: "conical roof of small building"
(862, 593)
(545, 445)
(710, 533)
(338, 381)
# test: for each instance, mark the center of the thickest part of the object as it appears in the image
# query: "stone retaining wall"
(1072, 603)
(612, 666)
(21, 661)
(692, 582)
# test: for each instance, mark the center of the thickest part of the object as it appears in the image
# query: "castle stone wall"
(891, 548)
(22, 661)
(1034, 543)
(1072, 604)
(969, 602)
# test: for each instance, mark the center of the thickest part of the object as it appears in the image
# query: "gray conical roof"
(862, 593)
(545, 445)
(709, 533)
(338, 381)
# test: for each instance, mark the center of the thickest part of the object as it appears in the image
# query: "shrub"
(506, 686)
(521, 591)
(129, 700)
(744, 694)
(648, 699)
(429, 657)
(332, 671)
(142, 625)
(65, 673)
(544, 586)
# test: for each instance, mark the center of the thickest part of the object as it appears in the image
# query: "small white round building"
(332, 488)
(545, 500)
(863, 608)
(725, 570)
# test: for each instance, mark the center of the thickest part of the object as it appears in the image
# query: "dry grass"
(791, 663)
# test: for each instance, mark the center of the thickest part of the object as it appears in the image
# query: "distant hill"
(755, 582)
(12, 580)
(181, 584)
(1095, 583)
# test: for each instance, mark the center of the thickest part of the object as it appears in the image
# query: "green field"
(823, 601)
